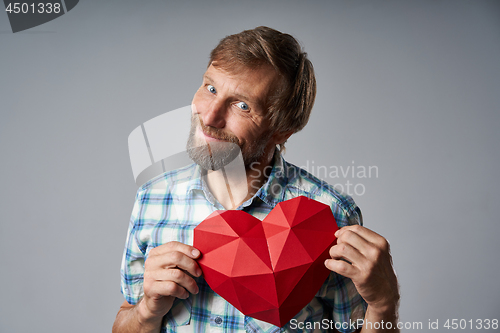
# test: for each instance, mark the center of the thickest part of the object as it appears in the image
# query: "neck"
(235, 183)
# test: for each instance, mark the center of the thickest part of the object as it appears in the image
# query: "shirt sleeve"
(132, 268)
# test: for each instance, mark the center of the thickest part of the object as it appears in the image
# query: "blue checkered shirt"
(170, 206)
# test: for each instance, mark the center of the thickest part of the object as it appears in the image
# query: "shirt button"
(218, 320)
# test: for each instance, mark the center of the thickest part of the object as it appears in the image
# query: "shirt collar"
(272, 192)
(198, 183)
(195, 183)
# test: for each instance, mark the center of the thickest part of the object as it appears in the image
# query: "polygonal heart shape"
(269, 269)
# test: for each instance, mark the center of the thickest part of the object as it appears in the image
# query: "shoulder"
(158, 195)
(301, 182)
(170, 178)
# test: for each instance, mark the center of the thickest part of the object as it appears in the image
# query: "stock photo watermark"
(347, 179)
(25, 15)
(150, 156)
(430, 324)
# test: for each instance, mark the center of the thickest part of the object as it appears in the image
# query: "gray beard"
(215, 155)
(212, 156)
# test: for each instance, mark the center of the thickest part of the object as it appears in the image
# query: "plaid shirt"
(170, 206)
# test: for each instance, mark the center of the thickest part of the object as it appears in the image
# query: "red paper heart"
(269, 269)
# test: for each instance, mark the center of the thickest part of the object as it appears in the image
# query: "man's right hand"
(168, 274)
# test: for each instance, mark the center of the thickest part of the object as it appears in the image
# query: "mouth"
(210, 134)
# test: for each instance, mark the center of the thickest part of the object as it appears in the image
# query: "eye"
(242, 105)
(211, 88)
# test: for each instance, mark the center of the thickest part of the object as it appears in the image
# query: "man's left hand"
(369, 266)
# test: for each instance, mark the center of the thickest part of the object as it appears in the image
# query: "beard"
(217, 154)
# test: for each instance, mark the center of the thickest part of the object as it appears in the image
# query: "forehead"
(253, 85)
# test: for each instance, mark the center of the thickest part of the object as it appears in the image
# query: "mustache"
(217, 133)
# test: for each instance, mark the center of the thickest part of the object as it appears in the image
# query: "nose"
(214, 114)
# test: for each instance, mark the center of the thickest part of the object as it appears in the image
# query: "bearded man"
(259, 89)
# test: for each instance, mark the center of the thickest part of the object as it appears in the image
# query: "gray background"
(411, 87)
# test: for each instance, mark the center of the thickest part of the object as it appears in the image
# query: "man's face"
(228, 115)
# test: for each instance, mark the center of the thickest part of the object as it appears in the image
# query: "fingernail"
(337, 233)
(198, 272)
(195, 252)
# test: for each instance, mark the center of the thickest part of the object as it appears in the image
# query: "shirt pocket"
(180, 314)
(164, 232)
(168, 231)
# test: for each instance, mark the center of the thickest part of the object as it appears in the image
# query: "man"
(259, 89)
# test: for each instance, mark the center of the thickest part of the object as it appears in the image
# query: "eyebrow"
(255, 101)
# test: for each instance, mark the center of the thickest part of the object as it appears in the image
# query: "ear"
(281, 137)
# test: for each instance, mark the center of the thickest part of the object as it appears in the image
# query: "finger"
(175, 275)
(341, 267)
(365, 233)
(173, 260)
(188, 250)
(355, 241)
(167, 288)
(349, 253)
